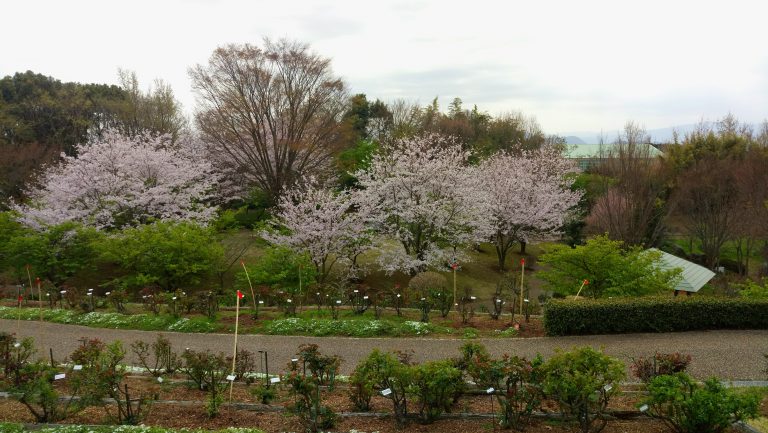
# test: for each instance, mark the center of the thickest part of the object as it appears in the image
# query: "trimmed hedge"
(653, 314)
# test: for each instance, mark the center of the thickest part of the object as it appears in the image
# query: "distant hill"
(572, 139)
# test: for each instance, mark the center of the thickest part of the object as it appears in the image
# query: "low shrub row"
(19, 428)
(144, 322)
(653, 314)
(350, 328)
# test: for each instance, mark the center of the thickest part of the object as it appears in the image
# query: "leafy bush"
(208, 371)
(582, 383)
(37, 393)
(436, 385)
(610, 267)
(14, 355)
(516, 383)
(653, 314)
(384, 371)
(102, 376)
(687, 407)
(323, 367)
(659, 364)
(167, 254)
(753, 290)
(163, 359)
(307, 405)
(277, 267)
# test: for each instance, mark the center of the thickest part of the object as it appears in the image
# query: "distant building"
(590, 155)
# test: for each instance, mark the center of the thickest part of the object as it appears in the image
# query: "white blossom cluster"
(118, 180)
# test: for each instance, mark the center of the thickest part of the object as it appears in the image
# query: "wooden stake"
(234, 350)
(29, 276)
(40, 298)
(583, 283)
(522, 277)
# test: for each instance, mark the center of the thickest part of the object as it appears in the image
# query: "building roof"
(694, 276)
(593, 150)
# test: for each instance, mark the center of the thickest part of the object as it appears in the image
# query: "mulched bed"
(194, 414)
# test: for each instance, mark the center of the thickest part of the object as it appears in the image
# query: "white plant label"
(274, 380)
(261, 302)
(16, 345)
(159, 380)
(77, 368)
(643, 408)
(490, 390)
(386, 392)
(231, 377)
(59, 376)
(295, 360)
(608, 387)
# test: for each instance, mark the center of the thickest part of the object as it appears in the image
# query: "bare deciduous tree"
(633, 208)
(271, 113)
(707, 199)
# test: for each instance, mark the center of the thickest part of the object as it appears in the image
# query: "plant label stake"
(490, 391)
(234, 349)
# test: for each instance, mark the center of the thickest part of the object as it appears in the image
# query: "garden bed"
(311, 322)
(180, 405)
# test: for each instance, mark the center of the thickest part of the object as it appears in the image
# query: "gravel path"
(736, 355)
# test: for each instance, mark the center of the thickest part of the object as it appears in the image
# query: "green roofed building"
(694, 276)
(590, 155)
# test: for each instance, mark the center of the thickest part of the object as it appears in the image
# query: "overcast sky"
(574, 65)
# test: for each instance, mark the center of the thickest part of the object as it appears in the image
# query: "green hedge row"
(653, 314)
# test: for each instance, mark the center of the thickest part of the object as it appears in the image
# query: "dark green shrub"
(436, 385)
(659, 364)
(516, 383)
(157, 358)
(361, 387)
(687, 407)
(653, 314)
(264, 393)
(582, 383)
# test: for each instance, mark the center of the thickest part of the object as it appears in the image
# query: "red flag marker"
(21, 298)
(522, 261)
(240, 294)
(586, 282)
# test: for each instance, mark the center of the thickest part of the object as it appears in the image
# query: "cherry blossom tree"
(118, 180)
(529, 196)
(330, 226)
(428, 199)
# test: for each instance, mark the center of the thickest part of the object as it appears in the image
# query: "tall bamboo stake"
(253, 295)
(234, 349)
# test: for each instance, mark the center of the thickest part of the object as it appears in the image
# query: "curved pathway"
(728, 354)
